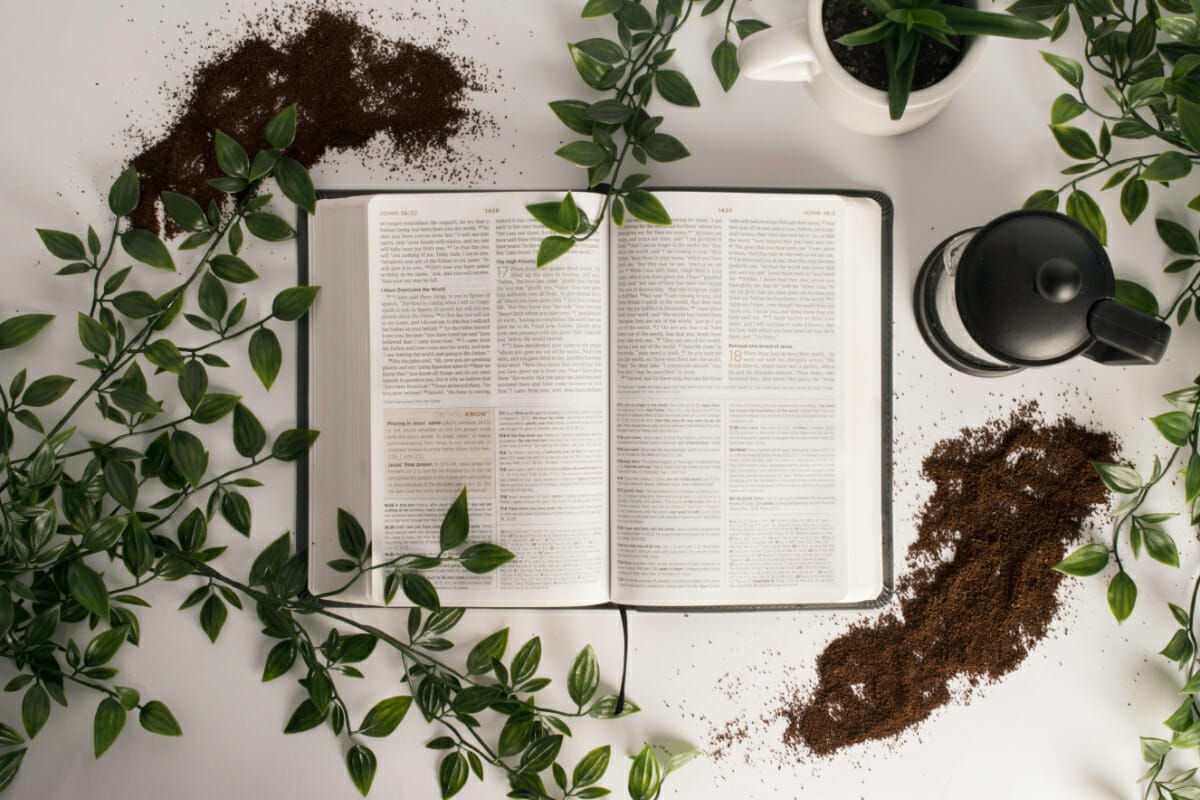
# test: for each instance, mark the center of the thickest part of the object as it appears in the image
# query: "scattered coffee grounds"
(868, 63)
(1008, 499)
(354, 88)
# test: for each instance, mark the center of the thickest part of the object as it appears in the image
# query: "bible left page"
(491, 374)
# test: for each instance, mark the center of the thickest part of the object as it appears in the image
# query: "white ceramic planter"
(799, 52)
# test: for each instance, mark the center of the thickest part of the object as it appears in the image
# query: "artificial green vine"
(86, 520)
(633, 68)
(1152, 90)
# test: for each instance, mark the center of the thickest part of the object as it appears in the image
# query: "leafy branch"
(633, 68)
(76, 511)
(1152, 96)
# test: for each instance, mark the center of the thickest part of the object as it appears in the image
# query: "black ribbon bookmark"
(620, 706)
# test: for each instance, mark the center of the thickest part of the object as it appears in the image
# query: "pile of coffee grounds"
(1009, 498)
(868, 63)
(353, 86)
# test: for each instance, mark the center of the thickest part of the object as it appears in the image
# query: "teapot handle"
(1125, 336)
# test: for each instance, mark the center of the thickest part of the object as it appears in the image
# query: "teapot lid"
(1025, 284)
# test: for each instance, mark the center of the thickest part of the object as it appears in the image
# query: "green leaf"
(269, 227)
(212, 297)
(249, 437)
(18, 330)
(1075, 142)
(584, 677)
(235, 508)
(456, 525)
(1087, 560)
(264, 161)
(281, 130)
(548, 215)
(420, 591)
(231, 156)
(541, 753)
(360, 761)
(1174, 427)
(1179, 649)
(1154, 749)
(142, 245)
(163, 353)
(676, 88)
(479, 660)
(1188, 113)
(45, 391)
(551, 248)
(185, 211)
(296, 184)
(645, 775)
(592, 766)
(1168, 166)
(1161, 546)
(1176, 237)
(1118, 477)
(351, 537)
(266, 356)
(188, 456)
(608, 112)
(232, 269)
(484, 557)
(647, 207)
(590, 70)
(1136, 296)
(35, 710)
(1134, 197)
(749, 27)
(193, 530)
(228, 185)
(725, 64)
(599, 8)
(1122, 595)
(279, 660)
(157, 718)
(1065, 109)
(1084, 210)
(291, 444)
(525, 662)
(212, 617)
(104, 646)
(125, 193)
(662, 147)
(1069, 69)
(110, 719)
(572, 114)
(63, 245)
(87, 587)
(214, 407)
(93, 336)
(385, 716)
(452, 774)
(585, 154)
(1184, 29)
(136, 304)
(292, 303)
(306, 717)
(605, 51)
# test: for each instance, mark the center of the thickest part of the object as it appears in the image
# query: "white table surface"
(74, 78)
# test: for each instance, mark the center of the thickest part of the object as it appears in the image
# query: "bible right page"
(746, 402)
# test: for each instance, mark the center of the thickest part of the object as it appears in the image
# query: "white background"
(76, 77)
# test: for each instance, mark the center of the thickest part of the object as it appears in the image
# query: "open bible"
(680, 416)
